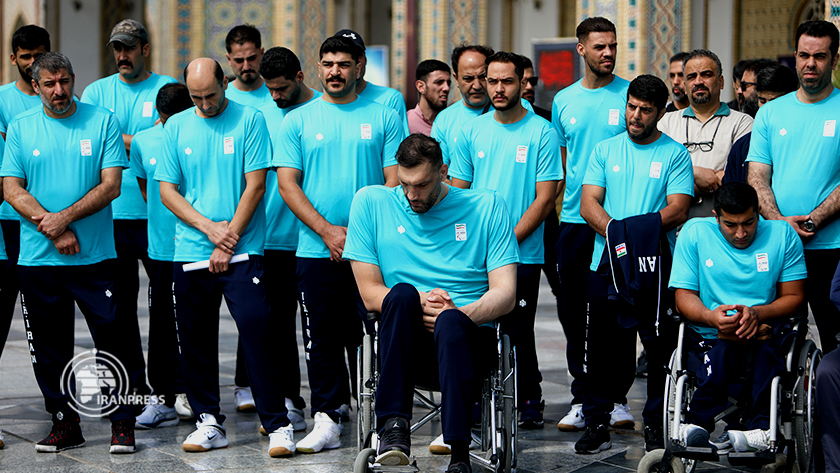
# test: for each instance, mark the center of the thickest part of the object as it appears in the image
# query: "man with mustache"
(131, 95)
(325, 152)
(675, 76)
(640, 182)
(433, 81)
(584, 114)
(708, 128)
(529, 86)
(516, 154)
(794, 168)
(244, 52)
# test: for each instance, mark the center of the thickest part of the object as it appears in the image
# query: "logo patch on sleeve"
(460, 232)
(620, 250)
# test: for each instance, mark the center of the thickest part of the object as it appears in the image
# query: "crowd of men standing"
(84, 207)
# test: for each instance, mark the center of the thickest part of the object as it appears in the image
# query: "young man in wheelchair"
(738, 279)
(439, 264)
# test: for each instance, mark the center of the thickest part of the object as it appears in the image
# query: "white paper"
(206, 263)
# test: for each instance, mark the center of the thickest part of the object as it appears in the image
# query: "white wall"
(531, 22)
(79, 39)
(719, 41)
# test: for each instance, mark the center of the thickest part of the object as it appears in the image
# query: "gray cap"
(128, 32)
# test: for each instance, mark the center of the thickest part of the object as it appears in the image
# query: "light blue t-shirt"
(146, 154)
(339, 149)
(208, 159)
(452, 246)
(2, 242)
(389, 97)
(510, 159)
(281, 226)
(722, 274)
(638, 178)
(61, 161)
(802, 143)
(447, 125)
(583, 118)
(255, 98)
(134, 107)
(13, 102)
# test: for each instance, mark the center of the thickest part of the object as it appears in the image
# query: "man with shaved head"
(215, 159)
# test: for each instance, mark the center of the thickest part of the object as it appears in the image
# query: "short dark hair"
(776, 79)
(651, 89)
(51, 62)
(428, 66)
(217, 71)
(526, 62)
(243, 34)
(705, 53)
(757, 65)
(735, 198)
(279, 61)
(459, 51)
(30, 37)
(507, 58)
(173, 98)
(596, 24)
(418, 149)
(738, 70)
(819, 29)
(680, 56)
(340, 44)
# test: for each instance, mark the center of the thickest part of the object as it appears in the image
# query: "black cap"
(352, 36)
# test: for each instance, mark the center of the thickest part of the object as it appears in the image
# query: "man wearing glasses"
(529, 88)
(708, 127)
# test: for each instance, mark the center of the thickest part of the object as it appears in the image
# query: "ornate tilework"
(664, 34)
(399, 44)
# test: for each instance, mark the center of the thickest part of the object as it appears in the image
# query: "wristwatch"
(809, 226)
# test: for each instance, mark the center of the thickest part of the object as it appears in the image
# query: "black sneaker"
(459, 468)
(594, 440)
(531, 415)
(65, 434)
(394, 443)
(653, 438)
(122, 436)
(642, 365)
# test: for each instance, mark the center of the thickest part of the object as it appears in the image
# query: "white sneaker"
(620, 417)
(156, 415)
(750, 440)
(694, 436)
(182, 407)
(573, 421)
(296, 416)
(325, 434)
(208, 435)
(244, 400)
(439, 447)
(281, 442)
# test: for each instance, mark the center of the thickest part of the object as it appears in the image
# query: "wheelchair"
(496, 437)
(796, 424)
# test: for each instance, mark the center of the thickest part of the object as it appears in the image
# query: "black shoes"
(459, 468)
(594, 440)
(65, 434)
(122, 436)
(531, 415)
(653, 438)
(394, 443)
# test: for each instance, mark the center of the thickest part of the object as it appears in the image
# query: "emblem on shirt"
(401, 229)
(229, 145)
(522, 303)
(366, 131)
(616, 168)
(86, 148)
(828, 128)
(108, 293)
(782, 132)
(521, 154)
(709, 263)
(481, 154)
(319, 137)
(573, 120)
(187, 151)
(614, 116)
(620, 250)
(460, 232)
(36, 153)
(655, 170)
(153, 161)
(255, 280)
(148, 109)
(762, 262)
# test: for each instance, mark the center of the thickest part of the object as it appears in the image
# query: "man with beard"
(437, 298)
(747, 85)
(794, 168)
(529, 86)
(324, 153)
(675, 76)
(636, 191)
(244, 52)
(516, 154)
(737, 73)
(584, 114)
(433, 80)
(62, 187)
(708, 128)
(281, 71)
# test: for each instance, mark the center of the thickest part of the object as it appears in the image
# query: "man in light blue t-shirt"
(636, 191)
(516, 154)
(131, 95)
(215, 159)
(584, 114)
(62, 188)
(737, 277)
(325, 152)
(794, 168)
(244, 52)
(439, 264)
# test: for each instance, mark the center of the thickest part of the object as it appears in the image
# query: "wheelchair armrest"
(373, 316)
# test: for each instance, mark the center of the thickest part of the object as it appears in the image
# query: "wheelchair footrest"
(752, 459)
(410, 468)
(694, 453)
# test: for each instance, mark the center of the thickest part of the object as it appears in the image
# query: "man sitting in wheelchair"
(438, 263)
(737, 279)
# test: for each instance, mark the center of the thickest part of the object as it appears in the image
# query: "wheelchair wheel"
(365, 390)
(671, 410)
(804, 394)
(362, 464)
(650, 463)
(509, 420)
